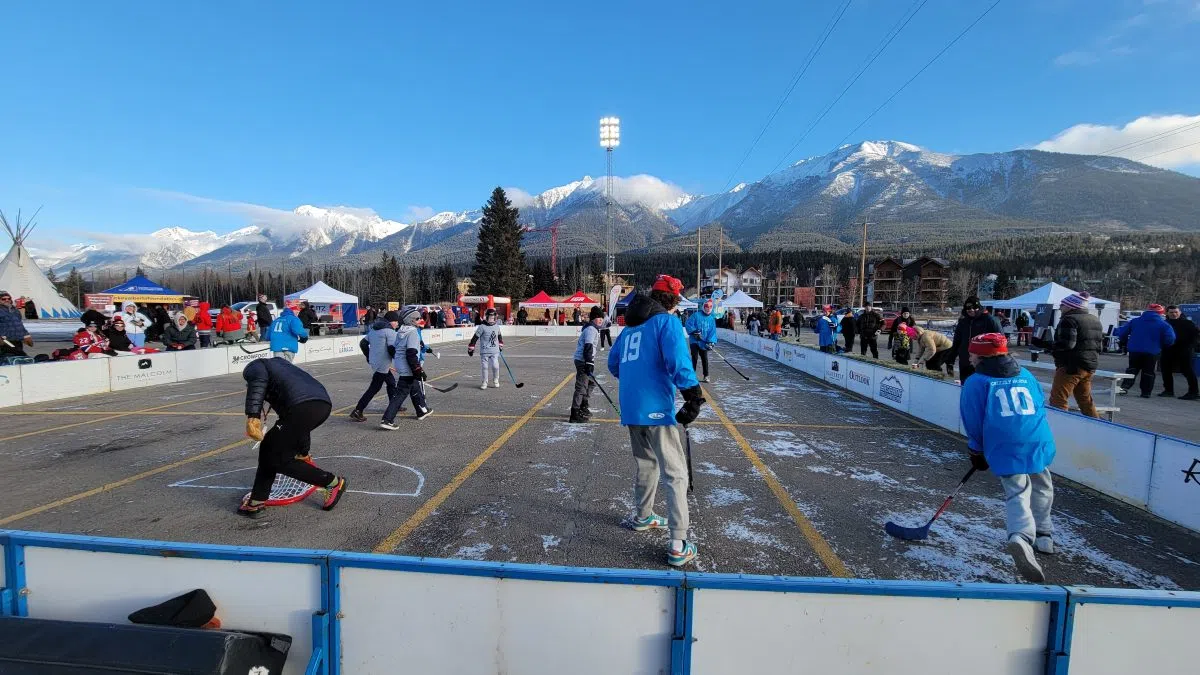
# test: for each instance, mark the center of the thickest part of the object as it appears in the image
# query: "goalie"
(302, 405)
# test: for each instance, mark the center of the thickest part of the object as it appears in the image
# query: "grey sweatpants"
(284, 355)
(659, 451)
(489, 364)
(583, 386)
(1027, 502)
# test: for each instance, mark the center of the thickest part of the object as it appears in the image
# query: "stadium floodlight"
(610, 132)
(610, 137)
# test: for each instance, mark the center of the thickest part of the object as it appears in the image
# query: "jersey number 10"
(1022, 401)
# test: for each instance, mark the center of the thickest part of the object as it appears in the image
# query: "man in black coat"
(974, 321)
(1178, 358)
(870, 322)
(1077, 343)
(849, 329)
(307, 316)
(302, 405)
(263, 316)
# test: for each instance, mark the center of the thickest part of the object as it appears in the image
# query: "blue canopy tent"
(141, 290)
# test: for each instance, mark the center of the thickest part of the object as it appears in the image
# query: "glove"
(470, 351)
(420, 374)
(28, 340)
(302, 340)
(978, 461)
(254, 428)
(693, 398)
(589, 368)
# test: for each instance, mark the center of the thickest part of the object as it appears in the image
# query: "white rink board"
(10, 385)
(63, 379)
(1113, 459)
(72, 585)
(319, 350)
(935, 402)
(1124, 639)
(192, 365)
(893, 388)
(434, 623)
(132, 372)
(761, 632)
(835, 370)
(237, 358)
(1175, 482)
(348, 346)
(860, 378)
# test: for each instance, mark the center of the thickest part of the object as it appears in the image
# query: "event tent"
(321, 293)
(140, 289)
(1053, 294)
(740, 300)
(540, 301)
(580, 298)
(688, 303)
(21, 276)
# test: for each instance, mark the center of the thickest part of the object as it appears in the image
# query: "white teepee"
(21, 277)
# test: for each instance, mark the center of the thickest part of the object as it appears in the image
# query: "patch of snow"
(550, 541)
(740, 532)
(710, 469)
(726, 497)
(475, 552)
(568, 432)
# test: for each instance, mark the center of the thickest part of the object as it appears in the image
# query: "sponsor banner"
(545, 331)
(860, 377)
(1175, 482)
(433, 337)
(835, 370)
(891, 388)
(238, 358)
(347, 346)
(10, 385)
(131, 372)
(319, 350)
(459, 334)
(769, 348)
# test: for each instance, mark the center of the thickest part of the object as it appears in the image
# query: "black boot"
(585, 411)
(577, 417)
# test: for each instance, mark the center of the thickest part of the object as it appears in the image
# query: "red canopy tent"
(540, 301)
(580, 298)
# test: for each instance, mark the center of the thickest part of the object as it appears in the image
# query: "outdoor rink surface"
(793, 477)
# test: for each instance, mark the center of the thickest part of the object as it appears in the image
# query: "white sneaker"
(495, 384)
(483, 385)
(1022, 555)
(706, 379)
(1044, 544)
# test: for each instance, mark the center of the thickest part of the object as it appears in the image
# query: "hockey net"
(287, 490)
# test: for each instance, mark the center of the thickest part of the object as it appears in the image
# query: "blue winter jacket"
(1004, 413)
(651, 360)
(11, 325)
(827, 329)
(705, 325)
(1149, 333)
(286, 331)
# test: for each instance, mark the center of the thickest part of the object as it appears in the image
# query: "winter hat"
(904, 310)
(410, 316)
(596, 313)
(827, 308)
(972, 303)
(708, 306)
(391, 315)
(989, 344)
(1076, 301)
(1157, 308)
(910, 330)
(667, 284)
(117, 320)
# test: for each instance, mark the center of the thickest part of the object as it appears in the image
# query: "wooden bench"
(1108, 411)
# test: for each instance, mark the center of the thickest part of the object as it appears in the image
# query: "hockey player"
(585, 365)
(650, 359)
(302, 405)
(1004, 415)
(491, 343)
(406, 367)
(702, 335)
(380, 350)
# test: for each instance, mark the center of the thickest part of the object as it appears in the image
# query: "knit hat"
(910, 330)
(410, 316)
(827, 308)
(391, 316)
(707, 306)
(1076, 300)
(596, 313)
(989, 344)
(1157, 308)
(972, 303)
(667, 284)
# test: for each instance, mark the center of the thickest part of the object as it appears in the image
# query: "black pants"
(829, 349)
(1182, 365)
(940, 359)
(1144, 363)
(584, 386)
(406, 386)
(965, 370)
(703, 354)
(605, 334)
(378, 380)
(872, 342)
(849, 341)
(291, 436)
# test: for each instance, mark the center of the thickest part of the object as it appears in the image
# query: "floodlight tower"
(610, 137)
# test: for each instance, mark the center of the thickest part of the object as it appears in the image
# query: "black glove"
(978, 461)
(419, 373)
(693, 398)
(589, 368)
(302, 339)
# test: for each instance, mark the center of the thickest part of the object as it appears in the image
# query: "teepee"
(21, 277)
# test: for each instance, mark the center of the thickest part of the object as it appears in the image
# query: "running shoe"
(333, 494)
(681, 558)
(651, 522)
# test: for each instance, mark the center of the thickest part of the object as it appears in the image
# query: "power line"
(887, 40)
(1166, 151)
(1169, 132)
(923, 69)
(812, 55)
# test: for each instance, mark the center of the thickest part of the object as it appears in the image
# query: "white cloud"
(648, 190)
(1176, 140)
(518, 197)
(1078, 57)
(416, 214)
(277, 220)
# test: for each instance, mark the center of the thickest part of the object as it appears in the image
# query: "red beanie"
(989, 344)
(667, 284)
(1157, 308)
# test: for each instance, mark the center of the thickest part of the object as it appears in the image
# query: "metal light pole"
(862, 267)
(610, 137)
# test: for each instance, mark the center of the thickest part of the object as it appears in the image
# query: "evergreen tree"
(499, 261)
(445, 283)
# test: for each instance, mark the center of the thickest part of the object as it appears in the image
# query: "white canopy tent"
(322, 293)
(740, 300)
(1053, 294)
(687, 303)
(21, 277)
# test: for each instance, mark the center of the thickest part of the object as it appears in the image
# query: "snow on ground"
(725, 497)
(563, 431)
(53, 329)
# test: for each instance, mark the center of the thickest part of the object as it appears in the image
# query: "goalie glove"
(419, 373)
(693, 398)
(254, 428)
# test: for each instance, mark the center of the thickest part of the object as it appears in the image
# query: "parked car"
(245, 307)
(888, 318)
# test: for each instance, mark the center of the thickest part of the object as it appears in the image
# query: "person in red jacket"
(229, 325)
(204, 325)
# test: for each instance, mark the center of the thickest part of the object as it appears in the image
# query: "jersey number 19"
(633, 348)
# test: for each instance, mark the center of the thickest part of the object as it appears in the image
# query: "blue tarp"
(624, 302)
(140, 285)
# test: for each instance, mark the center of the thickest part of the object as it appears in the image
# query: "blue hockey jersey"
(1004, 414)
(651, 360)
(705, 325)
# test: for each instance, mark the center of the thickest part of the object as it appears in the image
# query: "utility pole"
(229, 278)
(698, 231)
(720, 254)
(862, 267)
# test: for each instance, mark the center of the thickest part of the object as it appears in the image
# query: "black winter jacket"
(967, 328)
(263, 312)
(307, 316)
(281, 384)
(1078, 341)
(870, 322)
(1186, 335)
(849, 325)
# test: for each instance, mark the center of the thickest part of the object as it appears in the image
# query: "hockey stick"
(447, 390)
(512, 377)
(256, 351)
(917, 533)
(601, 388)
(688, 449)
(730, 364)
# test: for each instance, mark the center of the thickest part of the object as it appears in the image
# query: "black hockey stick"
(447, 390)
(512, 377)
(688, 448)
(918, 533)
(730, 364)
(256, 351)
(606, 396)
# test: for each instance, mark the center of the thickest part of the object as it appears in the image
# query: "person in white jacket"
(136, 323)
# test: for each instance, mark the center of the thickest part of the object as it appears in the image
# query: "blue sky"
(127, 117)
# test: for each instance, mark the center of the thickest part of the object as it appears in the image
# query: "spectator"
(932, 347)
(89, 340)
(161, 321)
(30, 310)
(287, 334)
(136, 323)
(91, 315)
(606, 333)
(263, 313)
(180, 335)
(754, 325)
(369, 316)
(575, 315)
(307, 316)
(1148, 335)
(870, 322)
(974, 321)
(13, 336)
(522, 316)
(229, 325)
(906, 319)
(1179, 356)
(204, 324)
(827, 329)
(117, 336)
(775, 324)
(1024, 323)
(849, 328)
(1077, 343)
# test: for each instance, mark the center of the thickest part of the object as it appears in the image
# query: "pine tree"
(499, 261)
